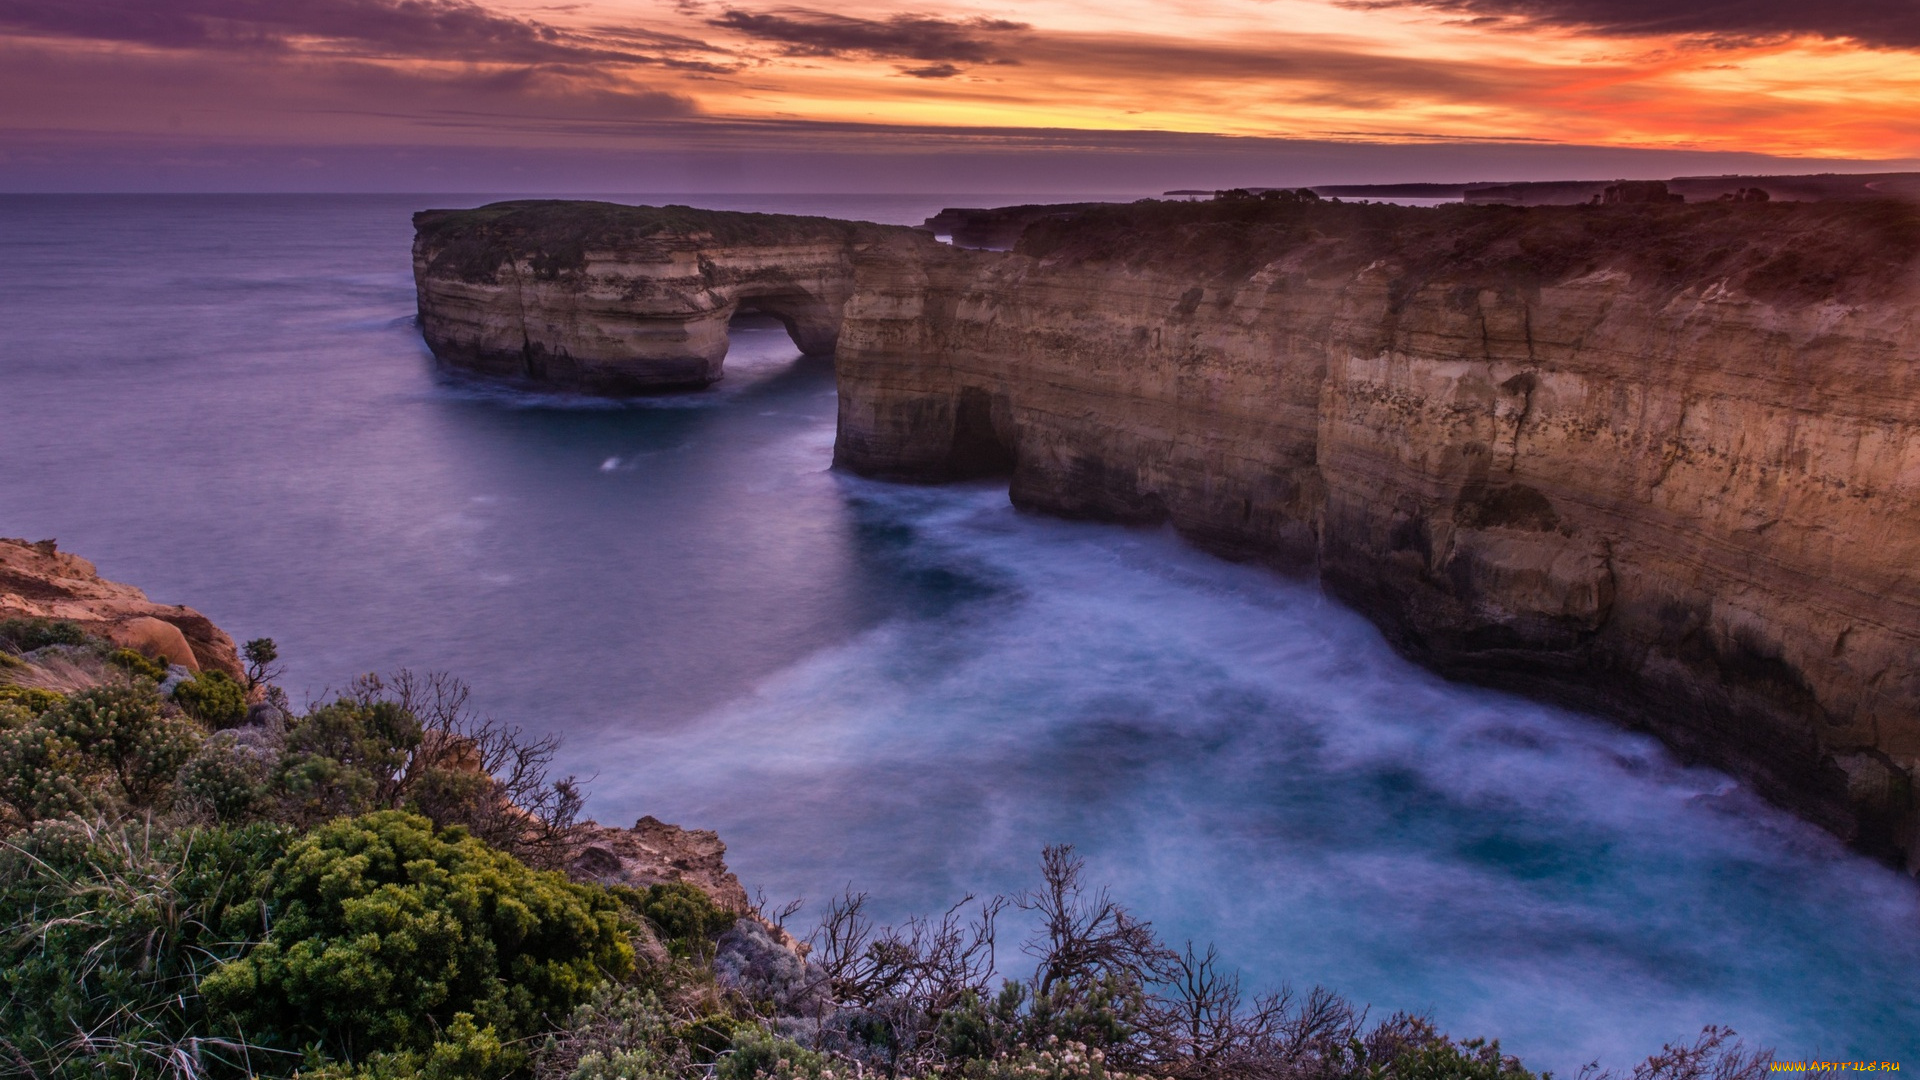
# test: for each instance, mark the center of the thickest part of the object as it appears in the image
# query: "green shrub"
(214, 698)
(104, 935)
(1444, 1059)
(978, 1029)
(134, 663)
(42, 773)
(757, 1054)
(618, 1065)
(30, 634)
(123, 729)
(1055, 1060)
(705, 1038)
(621, 1033)
(385, 930)
(347, 757)
(465, 1051)
(225, 781)
(686, 918)
(104, 745)
(31, 698)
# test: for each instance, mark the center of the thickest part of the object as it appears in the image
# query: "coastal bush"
(1444, 1059)
(125, 733)
(409, 742)
(1054, 1061)
(757, 1054)
(686, 918)
(465, 1051)
(41, 773)
(1108, 1000)
(619, 1033)
(107, 932)
(347, 757)
(262, 656)
(214, 698)
(225, 781)
(387, 929)
(103, 748)
(29, 634)
(138, 665)
(31, 698)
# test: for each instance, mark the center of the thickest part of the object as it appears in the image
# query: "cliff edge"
(39, 581)
(1659, 461)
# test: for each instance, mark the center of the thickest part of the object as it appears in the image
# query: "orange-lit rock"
(39, 581)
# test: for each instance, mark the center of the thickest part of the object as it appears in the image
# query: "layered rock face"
(39, 581)
(1662, 462)
(613, 299)
(1659, 461)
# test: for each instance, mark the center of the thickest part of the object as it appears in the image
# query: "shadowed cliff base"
(1653, 459)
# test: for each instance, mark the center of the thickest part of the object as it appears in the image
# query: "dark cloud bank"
(411, 29)
(1880, 23)
(944, 45)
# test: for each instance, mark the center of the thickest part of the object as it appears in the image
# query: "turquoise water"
(908, 689)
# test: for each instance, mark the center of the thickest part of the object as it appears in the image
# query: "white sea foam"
(910, 689)
(1249, 762)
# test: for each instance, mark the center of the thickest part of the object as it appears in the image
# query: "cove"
(908, 689)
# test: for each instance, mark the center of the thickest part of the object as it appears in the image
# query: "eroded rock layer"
(613, 299)
(39, 581)
(1658, 461)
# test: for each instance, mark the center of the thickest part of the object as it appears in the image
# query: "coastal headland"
(1655, 460)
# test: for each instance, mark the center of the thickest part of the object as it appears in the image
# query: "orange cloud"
(1825, 81)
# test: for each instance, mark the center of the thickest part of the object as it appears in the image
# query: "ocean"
(903, 690)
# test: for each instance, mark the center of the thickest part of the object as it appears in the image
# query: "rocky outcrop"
(654, 852)
(37, 580)
(1660, 461)
(614, 300)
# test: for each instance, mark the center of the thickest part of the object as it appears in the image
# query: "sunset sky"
(1043, 95)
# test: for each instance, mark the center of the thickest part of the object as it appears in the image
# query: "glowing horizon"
(1841, 84)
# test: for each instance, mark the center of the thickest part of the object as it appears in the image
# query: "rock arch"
(812, 320)
(612, 299)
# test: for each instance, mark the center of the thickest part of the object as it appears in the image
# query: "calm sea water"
(909, 690)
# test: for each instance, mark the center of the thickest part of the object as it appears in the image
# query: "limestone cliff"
(611, 299)
(38, 580)
(1657, 461)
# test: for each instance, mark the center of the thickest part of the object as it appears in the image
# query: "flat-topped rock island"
(603, 299)
(1657, 461)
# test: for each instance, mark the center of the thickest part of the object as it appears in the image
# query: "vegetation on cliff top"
(1777, 251)
(1790, 252)
(555, 235)
(370, 890)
